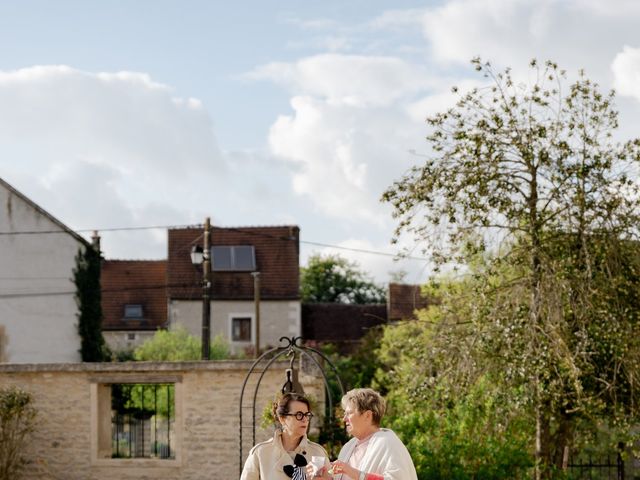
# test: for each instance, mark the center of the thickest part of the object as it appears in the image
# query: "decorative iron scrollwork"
(293, 348)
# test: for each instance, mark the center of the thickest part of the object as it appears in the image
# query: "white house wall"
(277, 319)
(37, 305)
(126, 341)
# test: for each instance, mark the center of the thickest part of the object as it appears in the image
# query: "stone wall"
(73, 401)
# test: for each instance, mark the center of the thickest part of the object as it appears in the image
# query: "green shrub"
(470, 437)
(178, 345)
(17, 421)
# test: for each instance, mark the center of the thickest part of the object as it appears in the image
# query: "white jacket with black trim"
(267, 460)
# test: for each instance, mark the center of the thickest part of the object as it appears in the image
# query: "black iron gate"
(609, 468)
(292, 350)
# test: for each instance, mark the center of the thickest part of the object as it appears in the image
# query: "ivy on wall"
(86, 277)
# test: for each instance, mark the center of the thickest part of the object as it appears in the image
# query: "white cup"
(317, 462)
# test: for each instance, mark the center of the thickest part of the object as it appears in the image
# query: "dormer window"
(240, 258)
(133, 312)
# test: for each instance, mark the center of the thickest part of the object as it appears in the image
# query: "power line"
(157, 286)
(197, 226)
(91, 230)
(102, 290)
(362, 250)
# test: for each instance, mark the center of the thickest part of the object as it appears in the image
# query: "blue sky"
(119, 114)
(200, 49)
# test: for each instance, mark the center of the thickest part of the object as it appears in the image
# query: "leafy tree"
(358, 369)
(333, 279)
(528, 178)
(178, 345)
(459, 417)
(139, 399)
(86, 277)
(17, 422)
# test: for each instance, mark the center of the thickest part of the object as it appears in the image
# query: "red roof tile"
(134, 282)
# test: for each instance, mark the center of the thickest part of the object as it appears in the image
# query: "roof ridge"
(232, 227)
(135, 260)
(42, 211)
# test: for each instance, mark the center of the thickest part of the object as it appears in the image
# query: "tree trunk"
(562, 441)
(545, 450)
(538, 457)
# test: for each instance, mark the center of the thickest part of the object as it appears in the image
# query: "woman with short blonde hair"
(374, 453)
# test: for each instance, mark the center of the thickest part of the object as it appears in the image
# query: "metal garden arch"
(292, 350)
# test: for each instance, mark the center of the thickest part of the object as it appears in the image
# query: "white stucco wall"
(37, 305)
(277, 319)
(121, 340)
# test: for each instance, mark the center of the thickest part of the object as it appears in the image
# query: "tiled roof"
(277, 259)
(134, 282)
(404, 299)
(339, 322)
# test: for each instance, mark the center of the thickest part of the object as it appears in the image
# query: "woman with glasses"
(287, 454)
(374, 453)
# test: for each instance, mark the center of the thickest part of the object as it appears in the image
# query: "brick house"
(237, 253)
(138, 296)
(134, 301)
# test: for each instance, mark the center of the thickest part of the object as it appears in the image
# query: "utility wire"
(362, 250)
(139, 287)
(113, 229)
(102, 290)
(199, 226)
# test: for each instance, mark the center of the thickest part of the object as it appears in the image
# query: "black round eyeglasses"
(300, 415)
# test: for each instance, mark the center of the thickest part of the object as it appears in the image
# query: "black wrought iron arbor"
(292, 350)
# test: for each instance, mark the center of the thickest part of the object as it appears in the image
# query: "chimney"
(95, 241)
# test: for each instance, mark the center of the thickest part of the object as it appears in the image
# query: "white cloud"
(101, 150)
(377, 259)
(355, 117)
(500, 30)
(440, 100)
(576, 34)
(344, 157)
(613, 9)
(626, 71)
(124, 119)
(310, 24)
(122, 148)
(348, 79)
(392, 19)
(350, 131)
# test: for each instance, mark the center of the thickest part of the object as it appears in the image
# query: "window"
(142, 421)
(241, 329)
(131, 336)
(234, 258)
(133, 312)
(136, 420)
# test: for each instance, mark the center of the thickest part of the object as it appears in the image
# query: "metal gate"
(599, 469)
(293, 350)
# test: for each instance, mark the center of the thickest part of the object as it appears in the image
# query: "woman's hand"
(339, 467)
(321, 473)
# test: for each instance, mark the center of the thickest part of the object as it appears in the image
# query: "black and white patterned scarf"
(297, 470)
